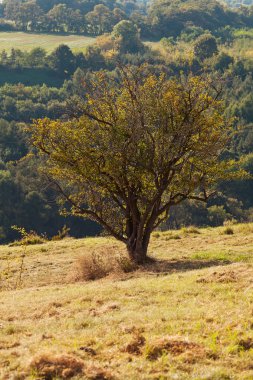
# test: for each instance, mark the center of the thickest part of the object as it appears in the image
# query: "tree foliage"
(205, 46)
(128, 37)
(137, 147)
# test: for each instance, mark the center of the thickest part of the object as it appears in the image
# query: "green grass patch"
(226, 257)
(28, 41)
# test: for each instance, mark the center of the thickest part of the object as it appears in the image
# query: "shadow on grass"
(164, 267)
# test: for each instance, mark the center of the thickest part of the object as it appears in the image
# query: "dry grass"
(100, 263)
(49, 367)
(187, 316)
(175, 346)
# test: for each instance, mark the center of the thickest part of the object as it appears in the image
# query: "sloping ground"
(28, 41)
(188, 316)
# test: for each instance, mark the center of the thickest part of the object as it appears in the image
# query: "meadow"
(28, 41)
(240, 48)
(186, 315)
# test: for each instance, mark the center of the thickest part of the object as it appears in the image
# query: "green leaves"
(142, 145)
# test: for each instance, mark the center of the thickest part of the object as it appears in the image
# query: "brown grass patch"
(134, 347)
(99, 264)
(64, 366)
(220, 277)
(104, 309)
(88, 350)
(228, 231)
(8, 345)
(175, 347)
(246, 344)
(95, 373)
(236, 273)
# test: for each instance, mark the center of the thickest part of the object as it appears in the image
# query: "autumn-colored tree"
(136, 147)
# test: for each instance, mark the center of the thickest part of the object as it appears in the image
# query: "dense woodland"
(188, 37)
(154, 19)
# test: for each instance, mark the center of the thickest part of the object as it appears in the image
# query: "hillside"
(29, 41)
(187, 316)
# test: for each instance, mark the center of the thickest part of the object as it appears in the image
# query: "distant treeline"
(62, 60)
(160, 18)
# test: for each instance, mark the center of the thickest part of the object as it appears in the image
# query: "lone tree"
(205, 46)
(128, 37)
(136, 146)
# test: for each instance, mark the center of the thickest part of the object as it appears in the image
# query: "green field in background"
(28, 41)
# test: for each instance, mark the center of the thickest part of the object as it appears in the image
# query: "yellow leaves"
(135, 135)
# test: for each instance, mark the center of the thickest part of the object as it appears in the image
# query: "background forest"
(41, 80)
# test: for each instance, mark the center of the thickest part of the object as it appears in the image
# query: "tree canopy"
(205, 46)
(135, 148)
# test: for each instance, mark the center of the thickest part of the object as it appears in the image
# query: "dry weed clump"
(63, 366)
(228, 231)
(96, 373)
(225, 277)
(98, 264)
(191, 230)
(246, 344)
(135, 346)
(104, 309)
(175, 346)
(27, 238)
(237, 273)
(62, 234)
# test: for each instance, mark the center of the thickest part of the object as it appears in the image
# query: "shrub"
(91, 267)
(99, 264)
(205, 46)
(61, 233)
(29, 238)
(125, 264)
(228, 231)
(217, 215)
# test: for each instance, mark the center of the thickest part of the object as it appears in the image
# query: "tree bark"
(138, 256)
(138, 250)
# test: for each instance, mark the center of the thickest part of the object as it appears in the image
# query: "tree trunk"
(138, 256)
(138, 250)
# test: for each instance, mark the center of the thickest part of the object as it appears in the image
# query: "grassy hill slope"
(189, 315)
(28, 41)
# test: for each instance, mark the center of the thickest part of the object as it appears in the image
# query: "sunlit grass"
(200, 295)
(28, 41)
